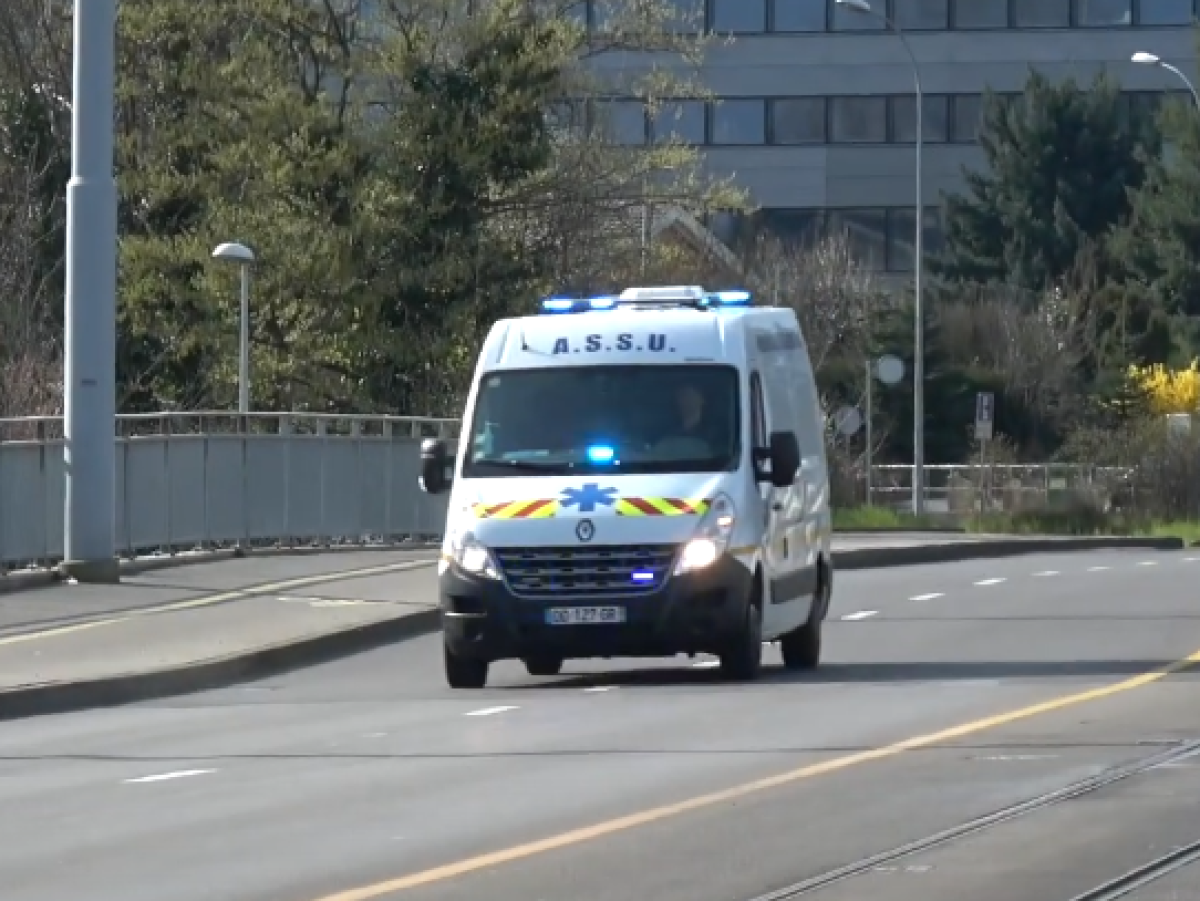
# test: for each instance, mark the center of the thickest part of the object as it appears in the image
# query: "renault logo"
(585, 531)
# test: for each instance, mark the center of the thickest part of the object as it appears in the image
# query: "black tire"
(801, 649)
(464, 672)
(742, 661)
(544, 666)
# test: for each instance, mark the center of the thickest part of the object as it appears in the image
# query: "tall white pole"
(89, 378)
(244, 346)
(918, 479)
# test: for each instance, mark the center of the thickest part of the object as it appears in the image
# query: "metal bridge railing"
(195, 480)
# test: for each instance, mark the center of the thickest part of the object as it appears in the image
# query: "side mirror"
(435, 463)
(783, 450)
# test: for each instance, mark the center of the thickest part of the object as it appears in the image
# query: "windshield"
(628, 419)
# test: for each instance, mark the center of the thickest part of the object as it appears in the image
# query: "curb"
(112, 691)
(20, 580)
(959, 551)
(260, 663)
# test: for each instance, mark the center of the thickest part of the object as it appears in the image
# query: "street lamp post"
(89, 373)
(244, 257)
(918, 476)
(1149, 59)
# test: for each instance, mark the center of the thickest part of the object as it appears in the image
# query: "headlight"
(712, 536)
(470, 556)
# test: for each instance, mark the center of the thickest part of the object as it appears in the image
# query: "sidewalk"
(173, 631)
(71, 646)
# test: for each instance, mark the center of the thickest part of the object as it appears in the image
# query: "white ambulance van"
(641, 475)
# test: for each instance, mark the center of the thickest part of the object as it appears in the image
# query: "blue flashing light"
(578, 304)
(643, 577)
(601, 453)
(732, 298)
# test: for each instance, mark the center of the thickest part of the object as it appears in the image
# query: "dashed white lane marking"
(1048, 572)
(928, 597)
(1148, 563)
(491, 711)
(599, 688)
(706, 664)
(1190, 559)
(984, 582)
(861, 614)
(163, 777)
(1097, 569)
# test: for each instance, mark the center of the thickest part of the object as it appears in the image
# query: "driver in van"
(686, 436)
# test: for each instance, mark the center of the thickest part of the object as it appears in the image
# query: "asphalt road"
(654, 781)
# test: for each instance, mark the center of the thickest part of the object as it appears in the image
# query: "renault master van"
(641, 475)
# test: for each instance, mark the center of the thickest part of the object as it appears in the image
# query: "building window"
(736, 121)
(901, 251)
(847, 19)
(1165, 12)
(798, 120)
(799, 15)
(866, 232)
(624, 121)
(739, 16)
(980, 14)
(966, 113)
(935, 119)
(684, 16)
(1103, 13)
(1042, 13)
(922, 15)
(858, 120)
(679, 120)
(795, 227)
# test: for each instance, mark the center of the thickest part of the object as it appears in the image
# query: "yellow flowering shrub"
(1169, 390)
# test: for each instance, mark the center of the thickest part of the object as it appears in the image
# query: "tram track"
(1117, 888)
(1144, 875)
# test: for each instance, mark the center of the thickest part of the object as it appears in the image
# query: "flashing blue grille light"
(577, 304)
(601, 453)
(643, 577)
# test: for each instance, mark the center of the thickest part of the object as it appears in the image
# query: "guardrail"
(961, 488)
(206, 480)
(200, 480)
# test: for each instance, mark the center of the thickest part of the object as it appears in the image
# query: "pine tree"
(1059, 162)
(1160, 247)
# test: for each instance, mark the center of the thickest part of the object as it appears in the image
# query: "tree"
(1060, 161)
(399, 175)
(1160, 246)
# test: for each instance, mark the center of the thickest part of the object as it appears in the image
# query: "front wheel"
(742, 662)
(801, 649)
(464, 672)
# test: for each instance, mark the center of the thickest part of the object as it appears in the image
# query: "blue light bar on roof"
(577, 304)
(733, 298)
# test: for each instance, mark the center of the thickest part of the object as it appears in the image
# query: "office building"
(817, 112)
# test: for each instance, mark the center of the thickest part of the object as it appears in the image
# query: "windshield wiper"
(527, 465)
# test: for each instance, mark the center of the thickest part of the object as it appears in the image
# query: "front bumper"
(698, 612)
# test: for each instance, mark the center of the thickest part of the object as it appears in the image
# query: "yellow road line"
(632, 821)
(222, 598)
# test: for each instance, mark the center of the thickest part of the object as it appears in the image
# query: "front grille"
(579, 572)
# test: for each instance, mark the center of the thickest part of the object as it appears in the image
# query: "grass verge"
(1029, 522)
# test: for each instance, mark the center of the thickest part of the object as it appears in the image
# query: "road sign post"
(888, 369)
(985, 420)
(985, 416)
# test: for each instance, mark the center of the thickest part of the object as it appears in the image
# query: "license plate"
(577, 616)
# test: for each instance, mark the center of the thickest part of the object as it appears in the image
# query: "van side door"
(773, 539)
